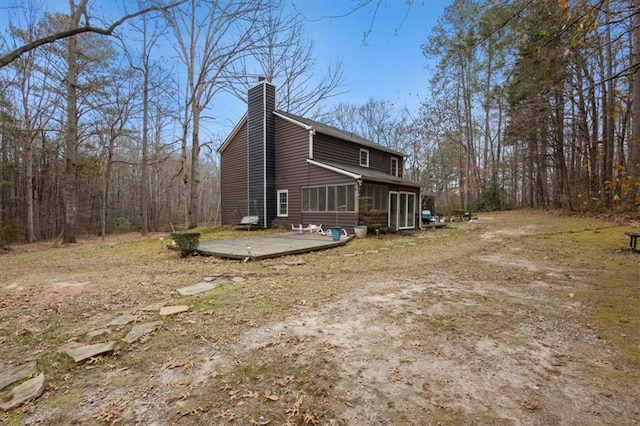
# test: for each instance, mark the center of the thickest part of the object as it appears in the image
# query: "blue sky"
(388, 65)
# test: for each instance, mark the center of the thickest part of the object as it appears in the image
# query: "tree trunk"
(192, 206)
(70, 190)
(609, 129)
(634, 143)
(28, 160)
(144, 172)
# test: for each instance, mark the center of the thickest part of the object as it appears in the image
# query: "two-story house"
(277, 165)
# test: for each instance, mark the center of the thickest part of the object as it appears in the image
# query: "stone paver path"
(201, 287)
(139, 330)
(24, 392)
(171, 310)
(81, 353)
(19, 372)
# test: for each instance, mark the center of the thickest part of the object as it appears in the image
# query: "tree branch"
(15, 54)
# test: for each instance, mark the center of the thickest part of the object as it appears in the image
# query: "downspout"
(357, 200)
(312, 133)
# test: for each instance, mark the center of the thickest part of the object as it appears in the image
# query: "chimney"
(261, 151)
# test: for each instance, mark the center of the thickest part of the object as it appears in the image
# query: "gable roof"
(334, 131)
(356, 172)
(316, 126)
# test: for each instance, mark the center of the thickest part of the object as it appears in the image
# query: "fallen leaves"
(268, 395)
(528, 404)
(171, 364)
(227, 415)
(283, 381)
(112, 413)
(295, 409)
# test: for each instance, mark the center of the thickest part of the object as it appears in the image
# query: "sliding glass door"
(402, 207)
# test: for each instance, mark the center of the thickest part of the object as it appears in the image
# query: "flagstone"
(139, 330)
(24, 392)
(97, 333)
(18, 372)
(198, 288)
(170, 310)
(83, 352)
(123, 320)
(153, 307)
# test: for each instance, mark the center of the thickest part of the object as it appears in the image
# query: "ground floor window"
(329, 198)
(283, 203)
(373, 197)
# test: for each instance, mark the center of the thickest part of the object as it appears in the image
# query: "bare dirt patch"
(435, 328)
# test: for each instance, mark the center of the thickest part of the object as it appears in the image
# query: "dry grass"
(515, 279)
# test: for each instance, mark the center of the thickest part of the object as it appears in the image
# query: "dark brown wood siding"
(233, 179)
(328, 148)
(292, 149)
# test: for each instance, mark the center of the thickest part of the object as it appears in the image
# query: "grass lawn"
(518, 318)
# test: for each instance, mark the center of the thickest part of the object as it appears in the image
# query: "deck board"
(268, 246)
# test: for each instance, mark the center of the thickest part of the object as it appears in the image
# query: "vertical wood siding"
(261, 150)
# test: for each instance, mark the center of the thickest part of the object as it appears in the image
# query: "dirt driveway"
(518, 319)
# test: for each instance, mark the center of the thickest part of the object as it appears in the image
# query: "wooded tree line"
(100, 131)
(532, 103)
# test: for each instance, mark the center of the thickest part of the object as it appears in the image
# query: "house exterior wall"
(233, 180)
(317, 176)
(294, 173)
(331, 149)
(292, 150)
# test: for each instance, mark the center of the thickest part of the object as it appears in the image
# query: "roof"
(364, 173)
(335, 132)
(318, 128)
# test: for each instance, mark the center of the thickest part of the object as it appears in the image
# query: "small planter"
(360, 231)
(187, 242)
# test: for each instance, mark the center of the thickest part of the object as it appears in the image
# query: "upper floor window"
(394, 166)
(364, 157)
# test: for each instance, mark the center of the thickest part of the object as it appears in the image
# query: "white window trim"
(404, 208)
(397, 163)
(360, 158)
(283, 191)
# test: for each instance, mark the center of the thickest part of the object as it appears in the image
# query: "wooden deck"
(267, 246)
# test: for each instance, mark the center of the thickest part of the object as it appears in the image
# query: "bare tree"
(114, 109)
(209, 38)
(142, 61)
(7, 58)
(377, 120)
(37, 105)
(634, 144)
(283, 55)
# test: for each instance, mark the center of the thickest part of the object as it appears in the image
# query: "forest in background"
(532, 104)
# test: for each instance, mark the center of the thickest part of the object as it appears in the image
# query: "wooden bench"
(633, 240)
